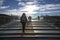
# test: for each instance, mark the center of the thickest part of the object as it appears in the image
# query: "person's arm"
(20, 19)
(26, 18)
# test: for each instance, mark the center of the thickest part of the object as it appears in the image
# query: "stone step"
(29, 31)
(26, 33)
(31, 36)
(5, 29)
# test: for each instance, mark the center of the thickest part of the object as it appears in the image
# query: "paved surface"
(35, 28)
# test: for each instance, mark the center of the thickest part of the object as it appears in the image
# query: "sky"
(30, 7)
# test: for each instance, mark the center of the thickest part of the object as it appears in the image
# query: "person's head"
(23, 14)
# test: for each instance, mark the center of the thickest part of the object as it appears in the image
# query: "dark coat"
(23, 19)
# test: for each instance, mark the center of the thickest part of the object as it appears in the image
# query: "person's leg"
(23, 27)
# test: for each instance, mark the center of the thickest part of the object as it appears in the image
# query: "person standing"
(23, 21)
(38, 18)
(29, 18)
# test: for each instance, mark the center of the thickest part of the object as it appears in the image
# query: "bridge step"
(31, 25)
(27, 29)
(30, 36)
(31, 33)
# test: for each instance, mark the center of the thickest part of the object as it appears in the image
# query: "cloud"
(49, 7)
(30, 3)
(27, 3)
(21, 3)
(13, 12)
(1, 2)
(52, 6)
(29, 8)
(4, 7)
(26, 0)
(18, 0)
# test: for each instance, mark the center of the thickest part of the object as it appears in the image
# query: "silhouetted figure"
(38, 18)
(29, 18)
(23, 21)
